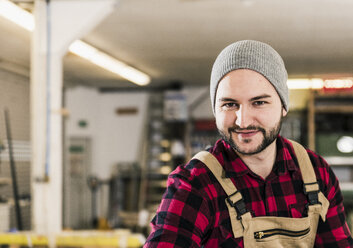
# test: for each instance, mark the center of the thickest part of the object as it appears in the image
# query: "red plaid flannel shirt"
(193, 212)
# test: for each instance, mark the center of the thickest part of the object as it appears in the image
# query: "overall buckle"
(239, 205)
(313, 195)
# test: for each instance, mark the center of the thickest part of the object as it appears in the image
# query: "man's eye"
(259, 103)
(230, 105)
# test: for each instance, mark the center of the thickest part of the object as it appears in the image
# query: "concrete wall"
(115, 138)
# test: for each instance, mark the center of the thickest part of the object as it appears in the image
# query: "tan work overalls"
(269, 231)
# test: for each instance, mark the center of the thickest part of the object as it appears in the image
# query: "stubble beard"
(268, 137)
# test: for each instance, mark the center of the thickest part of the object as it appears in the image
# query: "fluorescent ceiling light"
(101, 59)
(339, 84)
(317, 83)
(25, 19)
(314, 83)
(17, 15)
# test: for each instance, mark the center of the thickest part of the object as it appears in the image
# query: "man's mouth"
(246, 133)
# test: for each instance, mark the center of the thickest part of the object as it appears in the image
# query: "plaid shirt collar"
(235, 167)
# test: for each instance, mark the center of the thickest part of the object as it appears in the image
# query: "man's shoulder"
(192, 168)
(316, 159)
(319, 164)
(195, 169)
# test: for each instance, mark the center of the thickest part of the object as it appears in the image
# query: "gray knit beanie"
(253, 55)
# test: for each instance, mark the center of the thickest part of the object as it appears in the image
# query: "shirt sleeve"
(182, 217)
(334, 232)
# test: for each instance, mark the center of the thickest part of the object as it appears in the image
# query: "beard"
(268, 137)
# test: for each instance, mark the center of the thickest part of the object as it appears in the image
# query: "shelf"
(346, 186)
(160, 184)
(334, 109)
(4, 181)
(339, 161)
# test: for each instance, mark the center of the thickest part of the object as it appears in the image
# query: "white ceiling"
(178, 40)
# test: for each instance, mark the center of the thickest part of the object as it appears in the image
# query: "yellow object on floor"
(115, 238)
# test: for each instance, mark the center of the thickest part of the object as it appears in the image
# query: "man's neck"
(262, 163)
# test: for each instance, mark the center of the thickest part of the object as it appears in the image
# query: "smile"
(247, 134)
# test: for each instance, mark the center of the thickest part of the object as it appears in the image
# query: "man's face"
(248, 111)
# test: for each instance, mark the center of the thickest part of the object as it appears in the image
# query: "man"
(253, 188)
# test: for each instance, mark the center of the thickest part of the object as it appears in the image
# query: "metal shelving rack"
(335, 108)
(339, 103)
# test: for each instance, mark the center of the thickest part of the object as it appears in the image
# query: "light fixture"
(109, 63)
(17, 15)
(345, 144)
(165, 170)
(165, 156)
(25, 19)
(316, 83)
(338, 84)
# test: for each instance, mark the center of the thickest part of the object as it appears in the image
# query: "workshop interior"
(101, 99)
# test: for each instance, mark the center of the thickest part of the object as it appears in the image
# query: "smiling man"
(253, 188)
(248, 116)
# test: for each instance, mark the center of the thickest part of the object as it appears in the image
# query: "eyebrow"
(260, 97)
(228, 99)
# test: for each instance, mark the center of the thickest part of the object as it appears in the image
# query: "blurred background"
(101, 99)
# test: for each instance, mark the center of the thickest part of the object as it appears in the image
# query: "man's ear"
(284, 112)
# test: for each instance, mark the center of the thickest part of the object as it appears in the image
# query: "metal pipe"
(13, 172)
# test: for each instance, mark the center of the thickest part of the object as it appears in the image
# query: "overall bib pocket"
(260, 235)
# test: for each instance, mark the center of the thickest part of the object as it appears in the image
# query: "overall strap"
(234, 198)
(311, 187)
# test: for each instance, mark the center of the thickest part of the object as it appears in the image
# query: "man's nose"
(243, 118)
